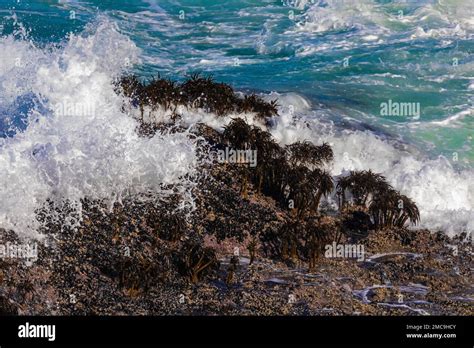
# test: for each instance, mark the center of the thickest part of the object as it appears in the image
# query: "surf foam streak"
(78, 142)
(336, 15)
(444, 18)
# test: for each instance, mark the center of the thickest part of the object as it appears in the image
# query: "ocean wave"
(423, 18)
(80, 143)
(454, 119)
(444, 194)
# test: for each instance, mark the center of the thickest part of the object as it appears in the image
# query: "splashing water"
(332, 63)
(77, 142)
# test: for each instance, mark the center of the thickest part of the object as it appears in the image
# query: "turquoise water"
(347, 55)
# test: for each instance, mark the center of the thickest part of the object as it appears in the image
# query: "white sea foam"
(444, 194)
(454, 119)
(442, 18)
(335, 15)
(90, 150)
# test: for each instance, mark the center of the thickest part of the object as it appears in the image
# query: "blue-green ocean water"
(348, 55)
(334, 65)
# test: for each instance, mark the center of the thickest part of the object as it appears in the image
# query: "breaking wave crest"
(68, 137)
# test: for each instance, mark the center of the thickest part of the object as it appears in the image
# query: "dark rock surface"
(241, 251)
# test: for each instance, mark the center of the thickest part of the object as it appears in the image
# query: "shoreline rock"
(243, 251)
